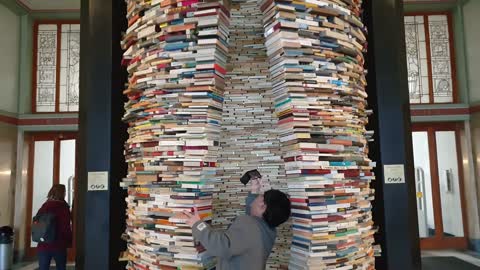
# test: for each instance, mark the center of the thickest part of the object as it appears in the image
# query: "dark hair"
(57, 192)
(278, 207)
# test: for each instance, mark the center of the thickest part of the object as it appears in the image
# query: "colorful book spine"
(175, 55)
(316, 54)
(219, 88)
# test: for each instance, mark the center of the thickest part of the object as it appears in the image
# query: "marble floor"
(467, 256)
(34, 266)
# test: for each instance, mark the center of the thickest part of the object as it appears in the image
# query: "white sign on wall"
(394, 174)
(97, 181)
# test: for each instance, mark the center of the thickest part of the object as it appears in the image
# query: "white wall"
(469, 178)
(471, 14)
(8, 144)
(471, 11)
(9, 65)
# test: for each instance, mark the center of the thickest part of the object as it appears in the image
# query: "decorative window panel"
(417, 61)
(429, 59)
(69, 67)
(440, 58)
(57, 67)
(46, 68)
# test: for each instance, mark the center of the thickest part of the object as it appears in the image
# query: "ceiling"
(74, 5)
(50, 5)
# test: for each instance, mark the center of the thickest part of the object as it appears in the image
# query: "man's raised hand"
(256, 185)
(192, 218)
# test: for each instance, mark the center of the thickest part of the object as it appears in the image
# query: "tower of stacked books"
(175, 54)
(283, 93)
(315, 49)
(249, 135)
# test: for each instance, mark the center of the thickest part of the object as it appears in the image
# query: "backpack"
(44, 228)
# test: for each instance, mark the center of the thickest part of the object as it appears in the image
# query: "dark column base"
(100, 214)
(395, 209)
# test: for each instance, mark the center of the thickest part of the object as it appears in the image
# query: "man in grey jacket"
(247, 243)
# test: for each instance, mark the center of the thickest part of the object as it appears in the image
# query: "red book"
(317, 171)
(133, 20)
(136, 59)
(277, 26)
(150, 144)
(160, 66)
(265, 5)
(329, 219)
(188, 2)
(298, 200)
(141, 267)
(142, 195)
(125, 62)
(130, 43)
(290, 159)
(134, 96)
(326, 150)
(351, 173)
(220, 69)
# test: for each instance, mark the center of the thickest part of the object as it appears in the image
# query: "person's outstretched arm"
(220, 243)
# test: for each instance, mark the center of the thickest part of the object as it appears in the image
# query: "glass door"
(439, 186)
(52, 160)
(423, 180)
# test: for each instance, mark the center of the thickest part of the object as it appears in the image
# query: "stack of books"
(176, 56)
(316, 54)
(249, 129)
(216, 90)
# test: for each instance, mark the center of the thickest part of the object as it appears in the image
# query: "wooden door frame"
(56, 137)
(439, 241)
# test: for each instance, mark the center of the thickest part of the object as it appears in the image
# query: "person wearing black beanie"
(249, 240)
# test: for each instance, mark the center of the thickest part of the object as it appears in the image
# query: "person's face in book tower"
(258, 207)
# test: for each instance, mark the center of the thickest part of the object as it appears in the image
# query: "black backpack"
(44, 228)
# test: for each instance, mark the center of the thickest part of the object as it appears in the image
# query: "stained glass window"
(429, 60)
(440, 57)
(46, 67)
(69, 67)
(58, 53)
(417, 61)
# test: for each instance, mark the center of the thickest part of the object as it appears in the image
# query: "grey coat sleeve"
(223, 244)
(248, 202)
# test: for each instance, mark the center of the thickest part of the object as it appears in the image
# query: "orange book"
(179, 28)
(341, 142)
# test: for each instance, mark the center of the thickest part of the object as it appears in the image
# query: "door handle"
(69, 189)
(418, 188)
(420, 175)
(449, 180)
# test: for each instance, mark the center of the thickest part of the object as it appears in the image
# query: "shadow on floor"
(54, 268)
(34, 266)
(446, 263)
(22, 265)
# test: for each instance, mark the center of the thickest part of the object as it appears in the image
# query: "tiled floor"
(469, 257)
(34, 266)
(24, 265)
(466, 256)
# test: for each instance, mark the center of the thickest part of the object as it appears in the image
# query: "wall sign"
(97, 181)
(394, 174)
